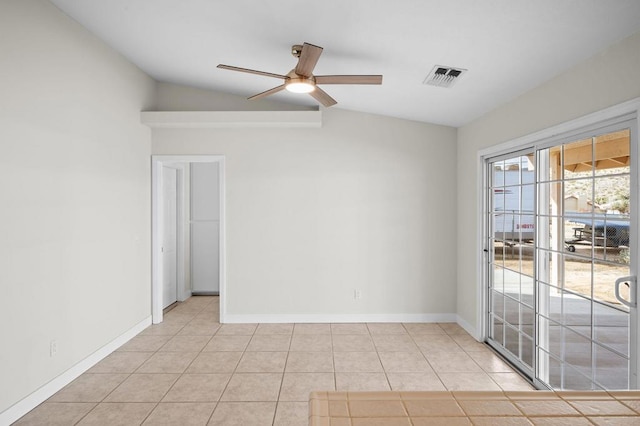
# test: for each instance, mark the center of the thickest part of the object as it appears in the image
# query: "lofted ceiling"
(507, 46)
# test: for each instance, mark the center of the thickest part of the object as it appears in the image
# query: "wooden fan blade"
(322, 97)
(247, 70)
(348, 79)
(267, 93)
(308, 59)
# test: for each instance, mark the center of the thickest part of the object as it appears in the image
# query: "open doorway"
(188, 244)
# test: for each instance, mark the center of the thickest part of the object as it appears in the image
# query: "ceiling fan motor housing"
(296, 50)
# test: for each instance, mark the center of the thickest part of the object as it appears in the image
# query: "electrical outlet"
(357, 294)
(53, 348)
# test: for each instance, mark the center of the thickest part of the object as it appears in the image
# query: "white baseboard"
(468, 327)
(31, 401)
(185, 295)
(336, 318)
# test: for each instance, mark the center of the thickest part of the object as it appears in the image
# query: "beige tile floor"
(191, 370)
(478, 408)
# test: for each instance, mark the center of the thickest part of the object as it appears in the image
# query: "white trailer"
(513, 205)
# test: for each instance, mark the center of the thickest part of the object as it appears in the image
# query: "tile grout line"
(275, 412)
(181, 374)
(233, 372)
(333, 359)
(196, 357)
(375, 347)
(453, 395)
(427, 359)
(621, 401)
(217, 403)
(386, 373)
(215, 407)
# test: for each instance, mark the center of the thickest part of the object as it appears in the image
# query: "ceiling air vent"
(444, 76)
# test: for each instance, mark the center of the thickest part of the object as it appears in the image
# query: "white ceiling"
(508, 46)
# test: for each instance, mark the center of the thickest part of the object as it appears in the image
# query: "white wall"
(607, 79)
(175, 97)
(75, 209)
(365, 202)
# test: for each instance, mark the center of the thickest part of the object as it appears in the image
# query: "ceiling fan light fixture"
(300, 85)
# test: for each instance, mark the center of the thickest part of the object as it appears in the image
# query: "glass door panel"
(588, 205)
(587, 208)
(511, 260)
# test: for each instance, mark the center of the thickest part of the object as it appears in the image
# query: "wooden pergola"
(608, 151)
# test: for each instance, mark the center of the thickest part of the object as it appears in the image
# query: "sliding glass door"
(562, 239)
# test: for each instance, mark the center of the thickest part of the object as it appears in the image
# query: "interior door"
(169, 236)
(562, 242)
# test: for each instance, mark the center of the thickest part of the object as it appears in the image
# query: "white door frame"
(157, 195)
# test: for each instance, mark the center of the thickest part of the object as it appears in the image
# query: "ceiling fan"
(301, 78)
